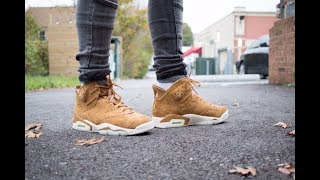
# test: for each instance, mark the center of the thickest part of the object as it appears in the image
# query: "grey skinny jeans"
(95, 22)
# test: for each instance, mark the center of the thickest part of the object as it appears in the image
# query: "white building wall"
(218, 35)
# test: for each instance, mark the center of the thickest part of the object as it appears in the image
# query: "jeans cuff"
(172, 77)
(89, 77)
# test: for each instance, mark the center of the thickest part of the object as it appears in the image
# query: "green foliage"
(36, 57)
(131, 24)
(43, 82)
(138, 57)
(31, 27)
(187, 35)
(36, 51)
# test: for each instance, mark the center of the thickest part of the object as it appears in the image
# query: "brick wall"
(282, 52)
(62, 47)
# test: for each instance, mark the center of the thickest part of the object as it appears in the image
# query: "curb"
(221, 77)
(226, 77)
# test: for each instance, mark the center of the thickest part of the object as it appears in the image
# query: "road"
(247, 138)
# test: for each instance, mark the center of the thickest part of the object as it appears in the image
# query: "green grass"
(45, 82)
(289, 85)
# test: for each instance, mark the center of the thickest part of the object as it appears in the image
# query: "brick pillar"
(282, 52)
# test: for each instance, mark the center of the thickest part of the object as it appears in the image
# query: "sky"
(199, 14)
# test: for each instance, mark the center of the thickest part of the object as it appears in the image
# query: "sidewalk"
(247, 138)
(216, 77)
(227, 78)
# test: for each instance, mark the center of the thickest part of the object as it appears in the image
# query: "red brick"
(282, 52)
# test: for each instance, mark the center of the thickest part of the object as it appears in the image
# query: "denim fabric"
(165, 23)
(95, 22)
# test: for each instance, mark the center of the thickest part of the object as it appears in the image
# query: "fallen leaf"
(33, 130)
(292, 133)
(29, 134)
(33, 134)
(88, 142)
(30, 126)
(282, 124)
(38, 127)
(243, 171)
(286, 168)
(35, 126)
(284, 164)
(236, 104)
(252, 170)
(286, 171)
(39, 134)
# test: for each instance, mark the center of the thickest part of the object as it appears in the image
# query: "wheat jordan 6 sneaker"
(179, 106)
(100, 109)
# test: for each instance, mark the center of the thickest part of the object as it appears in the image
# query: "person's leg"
(165, 23)
(98, 108)
(175, 105)
(95, 22)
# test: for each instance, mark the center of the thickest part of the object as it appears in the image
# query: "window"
(42, 35)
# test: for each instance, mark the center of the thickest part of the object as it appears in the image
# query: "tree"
(187, 35)
(131, 24)
(36, 51)
(31, 27)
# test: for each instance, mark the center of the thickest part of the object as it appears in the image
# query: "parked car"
(255, 60)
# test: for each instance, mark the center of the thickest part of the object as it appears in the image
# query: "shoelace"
(194, 82)
(198, 84)
(112, 95)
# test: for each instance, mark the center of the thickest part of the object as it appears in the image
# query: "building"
(286, 8)
(45, 16)
(228, 38)
(59, 29)
(282, 45)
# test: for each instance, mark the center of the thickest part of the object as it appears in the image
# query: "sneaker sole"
(109, 129)
(173, 120)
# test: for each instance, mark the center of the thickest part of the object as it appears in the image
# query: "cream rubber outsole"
(193, 120)
(109, 129)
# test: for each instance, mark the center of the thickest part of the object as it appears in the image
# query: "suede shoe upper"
(179, 100)
(101, 104)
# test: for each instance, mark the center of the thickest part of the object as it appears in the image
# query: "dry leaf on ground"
(35, 126)
(286, 168)
(245, 172)
(282, 124)
(33, 130)
(33, 134)
(88, 142)
(292, 133)
(236, 104)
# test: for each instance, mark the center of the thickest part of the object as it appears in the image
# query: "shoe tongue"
(105, 90)
(108, 91)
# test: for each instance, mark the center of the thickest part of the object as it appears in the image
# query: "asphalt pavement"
(247, 138)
